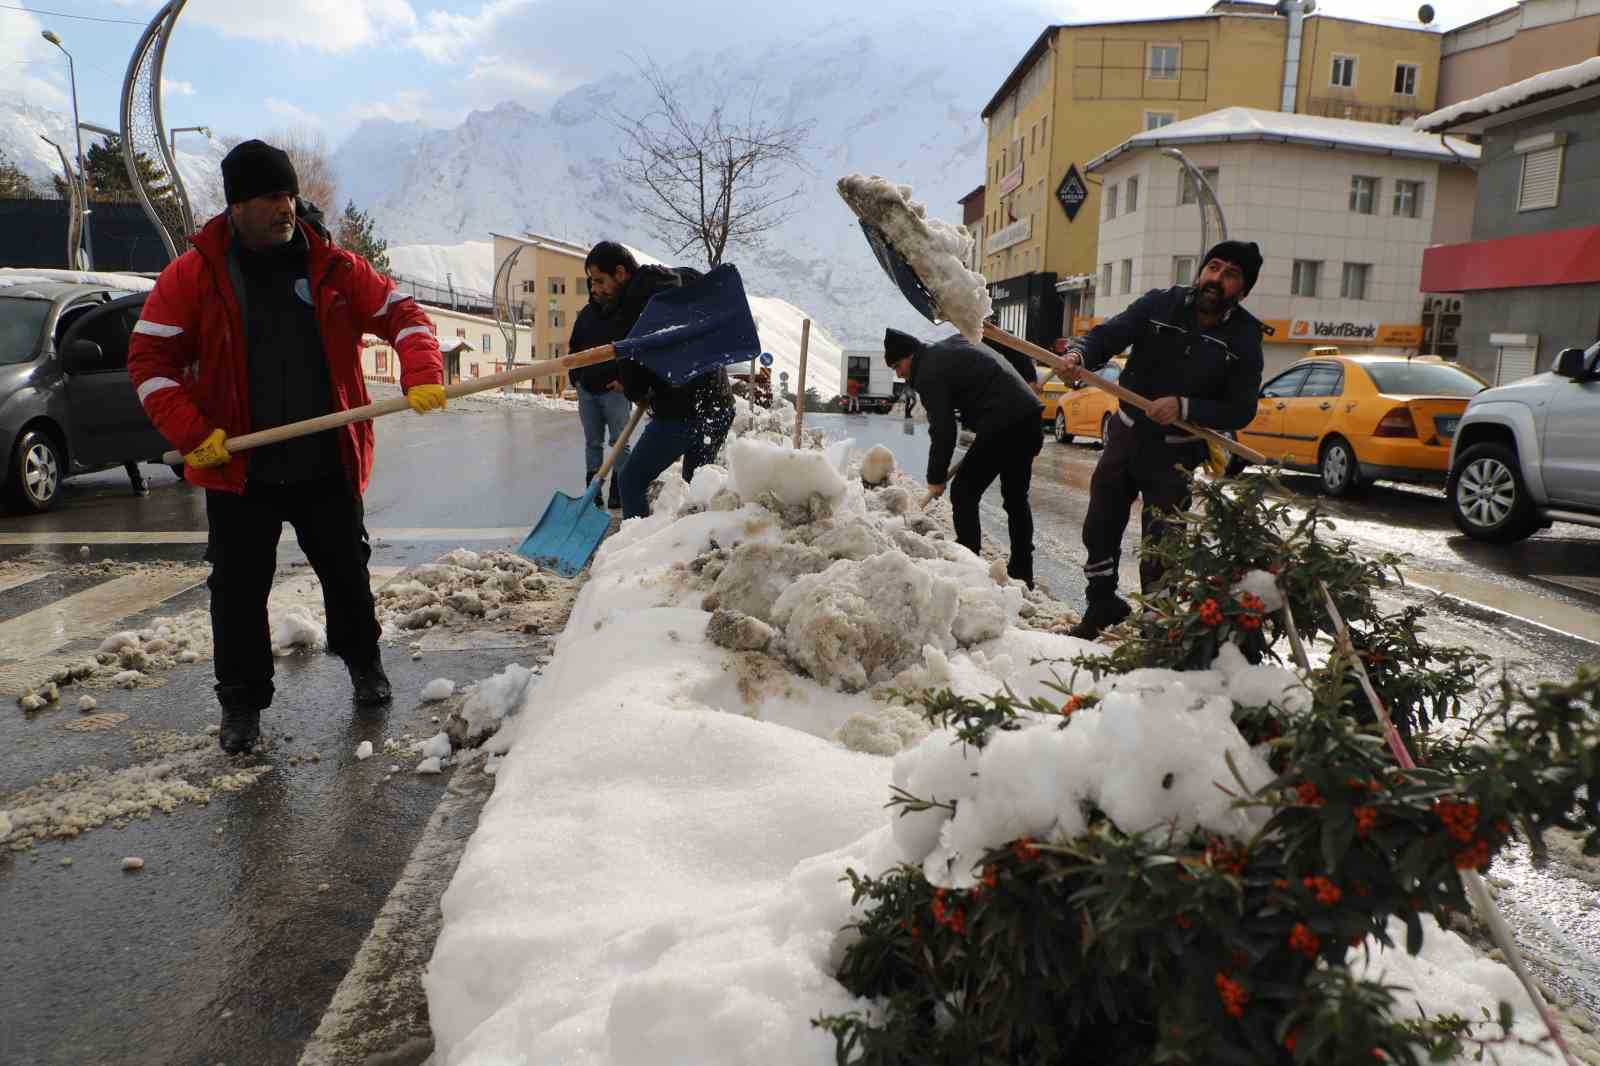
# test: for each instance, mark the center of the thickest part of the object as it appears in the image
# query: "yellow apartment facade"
(1082, 89)
(548, 289)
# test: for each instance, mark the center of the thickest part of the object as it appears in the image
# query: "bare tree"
(709, 181)
(313, 165)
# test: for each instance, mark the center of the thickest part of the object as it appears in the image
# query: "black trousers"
(1007, 454)
(242, 548)
(1133, 467)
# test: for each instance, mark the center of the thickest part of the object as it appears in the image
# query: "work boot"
(1102, 613)
(614, 497)
(370, 683)
(241, 728)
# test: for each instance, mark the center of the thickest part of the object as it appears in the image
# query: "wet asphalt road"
(223, 949)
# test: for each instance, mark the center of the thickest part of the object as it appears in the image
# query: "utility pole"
(77, 137)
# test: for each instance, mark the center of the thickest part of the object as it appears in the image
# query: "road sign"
(766, 358)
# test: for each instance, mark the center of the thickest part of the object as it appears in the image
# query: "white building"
(474, 346)
(1342, 211)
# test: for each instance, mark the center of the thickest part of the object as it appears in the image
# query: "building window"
(1303, 282)
(1111, 201)
(1163, 62)
(527, 285)
(1363, 195)
(1044, 130)
(558, 286)
(1131, 197)
(1407, 199)
(1405, 79)
(1127, 275)
(1344, 72)
(1186, 190)
(488, 343)
(1154, 120)
(1541, 179)
(383, 362)
(475, 372)
(1353, 285)
(558, 318)
(1105, 278)
(1183, 270)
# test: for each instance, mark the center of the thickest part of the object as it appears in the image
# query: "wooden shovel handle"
(1068, 372)
(540, 369)
(620, 443)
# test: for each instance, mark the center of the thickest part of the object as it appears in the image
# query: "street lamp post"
(77, 137)
(173, 136)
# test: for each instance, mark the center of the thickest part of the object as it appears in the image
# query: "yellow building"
(548, 289)
(1082, 89)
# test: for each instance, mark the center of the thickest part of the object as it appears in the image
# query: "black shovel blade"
(905, 279)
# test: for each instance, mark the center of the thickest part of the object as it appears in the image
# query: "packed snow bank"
(657, 877)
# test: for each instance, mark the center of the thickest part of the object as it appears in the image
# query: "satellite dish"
(1425, 14)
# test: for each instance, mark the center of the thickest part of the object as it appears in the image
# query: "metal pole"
(77, 137)
(800, 386)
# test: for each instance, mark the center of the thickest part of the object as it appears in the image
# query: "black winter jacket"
(1215, 373)
(958, 379)
(699, 398)
(590, 330)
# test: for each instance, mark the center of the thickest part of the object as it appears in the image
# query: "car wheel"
(1488, 498)
(33, 478)
(1341, 475)
(1062, 436)
(1105, 429)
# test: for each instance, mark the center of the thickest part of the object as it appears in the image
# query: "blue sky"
(252, 66)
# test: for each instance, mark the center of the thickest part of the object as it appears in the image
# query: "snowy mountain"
(23, 127)
(885, 97)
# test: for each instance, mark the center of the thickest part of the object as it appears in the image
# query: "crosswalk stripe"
(21, 577)
(42, 631)
(198, 536)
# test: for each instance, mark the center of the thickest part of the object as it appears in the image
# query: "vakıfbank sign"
(1318, 329)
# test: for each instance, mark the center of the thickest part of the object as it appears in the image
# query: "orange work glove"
(210, 453)
(425, 398)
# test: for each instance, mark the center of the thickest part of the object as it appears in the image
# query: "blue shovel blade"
(689, 331)
(568, 533)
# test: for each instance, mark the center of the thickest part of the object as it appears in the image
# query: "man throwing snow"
(956, 379)
(1197, 354)
(258, 325)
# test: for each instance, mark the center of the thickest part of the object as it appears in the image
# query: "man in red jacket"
(259, 325)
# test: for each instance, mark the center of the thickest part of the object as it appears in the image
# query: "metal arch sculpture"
(75, 207)
(1205, 199)
(144, 133)
(505, 316)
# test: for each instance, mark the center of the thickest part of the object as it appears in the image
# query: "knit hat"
(897, 345)
(1245, 255)
(255, 168)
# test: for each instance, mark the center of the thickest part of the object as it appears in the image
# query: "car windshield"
(21, 322)
(1423, 379)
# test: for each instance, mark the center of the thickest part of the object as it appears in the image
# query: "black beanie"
(897, 345)
(1243, 254)
(255, 168)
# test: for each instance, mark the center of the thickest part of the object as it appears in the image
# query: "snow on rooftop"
(10, 277)
(1254, 124)
(1526, 91)
(469, 265)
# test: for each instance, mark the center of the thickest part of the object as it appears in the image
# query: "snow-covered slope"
(885, 96)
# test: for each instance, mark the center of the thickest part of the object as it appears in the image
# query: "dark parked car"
(67, 406)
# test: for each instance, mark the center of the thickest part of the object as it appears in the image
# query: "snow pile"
(295, 629)
(792, 476)
(936, 250)
(465, 590)
(877, 465)
(488, 703)
(440, 688)
(778, 323)
(364, 751)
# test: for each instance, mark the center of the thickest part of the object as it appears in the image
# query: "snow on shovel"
(924, 258)
(682, 334)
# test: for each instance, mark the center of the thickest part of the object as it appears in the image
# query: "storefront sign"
(1004, 238)
(1010, 182)
(1352, 332)
(1072, 192)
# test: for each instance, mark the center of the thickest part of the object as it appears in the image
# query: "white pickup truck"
(1527, 454)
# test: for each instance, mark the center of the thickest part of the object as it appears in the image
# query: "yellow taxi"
(1354, 419)
(1081, 410)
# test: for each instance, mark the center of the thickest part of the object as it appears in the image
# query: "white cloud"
(405, 106)
(177, 88)
(500, 71)
(445, 36)
(28, 66)
(290, 113)
(337, 27)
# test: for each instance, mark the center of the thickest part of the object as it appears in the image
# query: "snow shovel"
(681, 334)
(570, 529)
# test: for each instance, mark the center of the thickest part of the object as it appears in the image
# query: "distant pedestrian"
(1197, 354)
(911, 400)
(959, 380)
(688, 421)
(259, 325)
(852, 397)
